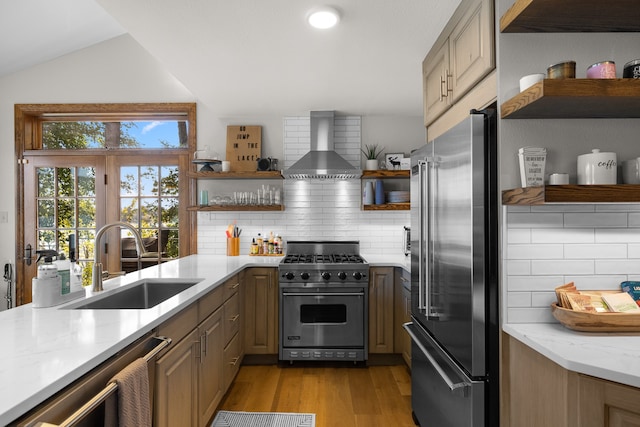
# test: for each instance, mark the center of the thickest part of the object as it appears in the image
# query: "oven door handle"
(322, 294)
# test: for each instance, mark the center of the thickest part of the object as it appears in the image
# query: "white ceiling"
(249, 57)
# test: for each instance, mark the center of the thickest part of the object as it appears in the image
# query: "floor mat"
(263, 419)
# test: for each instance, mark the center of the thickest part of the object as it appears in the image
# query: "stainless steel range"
(324, 291)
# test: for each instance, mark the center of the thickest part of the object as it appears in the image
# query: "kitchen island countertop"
(46, 349)
(610, 356)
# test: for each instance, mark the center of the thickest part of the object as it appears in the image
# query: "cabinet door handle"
(443, 92)
(235, 285)
(203, 346)
(234, 361)
(449, 78)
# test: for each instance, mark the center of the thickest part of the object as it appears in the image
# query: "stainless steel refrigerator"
(454, 277)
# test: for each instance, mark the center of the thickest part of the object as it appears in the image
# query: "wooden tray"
(266, 254)
(596, 322)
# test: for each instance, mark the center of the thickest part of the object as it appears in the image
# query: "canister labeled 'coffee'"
(597, 168)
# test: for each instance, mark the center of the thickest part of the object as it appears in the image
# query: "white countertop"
(614, 357)
(45, 349)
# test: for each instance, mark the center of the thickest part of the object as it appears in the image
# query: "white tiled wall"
(595, 246)
(314, 209)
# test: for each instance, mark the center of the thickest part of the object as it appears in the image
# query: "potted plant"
(371, 152)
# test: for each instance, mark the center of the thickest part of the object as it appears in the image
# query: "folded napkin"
(132, 407)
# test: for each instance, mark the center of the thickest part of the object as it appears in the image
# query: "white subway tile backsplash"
(535, 220)
(595, 251)
(600, 220)
(553, 235)
(545, 267)
(594, 246)
(534, 251)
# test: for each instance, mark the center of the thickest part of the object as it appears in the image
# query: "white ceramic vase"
(371, 164)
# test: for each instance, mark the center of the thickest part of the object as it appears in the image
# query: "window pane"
(87, 213)
(149, 211)
(85, 244)
(86, 182)
(148, 180)
(46, 187)
(46, 214)
(46, 239)
(129, 181)
(129, 210)
(169, 181)
(169, 212)
(66, 182)
(151, 134)
(73, 135)
(66, 213)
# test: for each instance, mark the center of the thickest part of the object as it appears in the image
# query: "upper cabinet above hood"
(322, 161)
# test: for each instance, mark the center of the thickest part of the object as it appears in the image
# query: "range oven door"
(323, 318)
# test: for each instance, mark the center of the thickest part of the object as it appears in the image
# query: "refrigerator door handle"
(423, 273)
(460, 387)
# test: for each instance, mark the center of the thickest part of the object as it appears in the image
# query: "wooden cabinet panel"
(402, 313)
(210, 372)
(381, 284)
(471, 48)
(436, 83)
(604, 403)
(232, 360)
(176, 393)
(261, 310)
(231, 317)
(462, 57)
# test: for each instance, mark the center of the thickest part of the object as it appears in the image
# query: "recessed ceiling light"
(323, 18)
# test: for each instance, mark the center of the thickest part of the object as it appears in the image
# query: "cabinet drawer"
(231, 287)
(180, 325)
(210, 303)
(231, 317)
(232, 360)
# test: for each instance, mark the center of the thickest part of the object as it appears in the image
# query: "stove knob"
(326, 275)
(342, 275)
(305, 276)
(289, 276)
(357, 275)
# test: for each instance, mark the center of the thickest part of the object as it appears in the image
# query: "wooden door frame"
(28, 136)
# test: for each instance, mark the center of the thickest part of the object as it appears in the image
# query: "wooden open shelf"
(625, 193)
(235, 175)
(385, 174)
(232, 208)
(583, 16)
(576, 98)
(388, 207)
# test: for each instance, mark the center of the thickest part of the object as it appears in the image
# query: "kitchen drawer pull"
(234, 362)
(235, 285)
(234, 318)
(452, 386)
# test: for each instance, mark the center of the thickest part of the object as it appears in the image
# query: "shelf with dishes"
(397, 194)
(559, 194)
(540, 16)
(575, 98)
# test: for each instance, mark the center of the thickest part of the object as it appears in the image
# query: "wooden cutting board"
(244, 147)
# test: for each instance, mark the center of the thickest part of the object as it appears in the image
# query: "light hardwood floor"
(374, 396)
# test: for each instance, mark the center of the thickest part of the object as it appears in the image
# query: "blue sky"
(149, 133)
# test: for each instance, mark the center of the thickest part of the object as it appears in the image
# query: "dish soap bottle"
(64, 271)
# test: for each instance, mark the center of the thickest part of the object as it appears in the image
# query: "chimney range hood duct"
(322, 162)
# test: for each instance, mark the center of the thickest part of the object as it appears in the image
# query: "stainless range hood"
(322, 162)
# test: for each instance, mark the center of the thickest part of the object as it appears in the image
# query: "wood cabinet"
(462, 56)
(538, 392)
(192, 377)
(260, 287)
(402, 313)
(381, 320)
(399, 177)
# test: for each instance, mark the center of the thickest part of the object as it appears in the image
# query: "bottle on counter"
(259, 242)
(254, 247)
(64, 271)
(46, 287)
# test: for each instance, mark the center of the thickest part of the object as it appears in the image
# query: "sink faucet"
(97, 265)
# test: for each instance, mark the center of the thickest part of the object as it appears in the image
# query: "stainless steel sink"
(141, 295)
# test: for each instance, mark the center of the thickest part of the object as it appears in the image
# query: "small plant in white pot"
(371, 153)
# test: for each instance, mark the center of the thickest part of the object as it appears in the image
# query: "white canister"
(597, 168)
